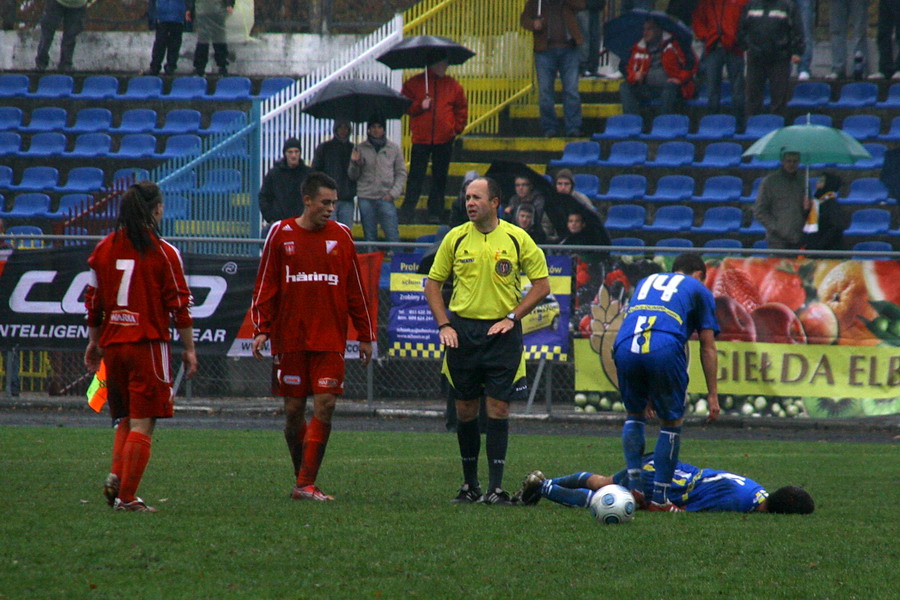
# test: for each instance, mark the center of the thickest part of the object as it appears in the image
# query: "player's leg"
(496, 444)
(137, 450)
(633, 387)
(326, 378)
(295, 429)
(290, 381)
(114, 479)
(469, 439)
(668, 391)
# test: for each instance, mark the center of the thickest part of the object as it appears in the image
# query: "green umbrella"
(814, 143)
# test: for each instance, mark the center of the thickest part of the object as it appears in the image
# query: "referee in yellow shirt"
(483, 332)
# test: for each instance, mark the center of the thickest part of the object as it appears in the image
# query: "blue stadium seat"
(726, 95)
(760, 125)
(720, 189)
(668, 127)
(187, 88)
(45, 145)
(761, 245)
(862, 127)
(26, 230)
(91, 120)
(10, 143)
(757, 163)
(673, 154)
(75, 230)
(672, 219)
(813, 119)
(68, 204)
(54, 86)
(27, 206)
(869, 221)
(810, 94)
(721, 243)
(892, 135)
(6, 175)
(587, 184)
(184, 182)
(131, 174)
(12, 85)
(715, 127)
(91, 145)
(186, 144)
(625, 188)
(144, 87)
(754, 189)
(721, 155)
(876, 162)
(231, 89)
(628, 241)
(37, 179)
(720, 219)
(857, 95)
(626, 154)
(578, 154)
(10, 118)
(625, 217)
(672, 188)
(892, 100)
(865, 190)
(82, 180)
(221, 181)
(272, 85)
(872, 246)
(136, 120)
(621, 127)
(46, 118)
(176, 207)
(225, 120)
(136, 145)
(232, 146)
(755, 228)
(673, 242)
(98, 87)
(180, 120)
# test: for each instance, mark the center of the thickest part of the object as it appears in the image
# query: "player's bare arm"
(93, 354)
(365, 352)
(258, 343)
(540, 288)
(710, 362)
(189, 354)
(446, 333)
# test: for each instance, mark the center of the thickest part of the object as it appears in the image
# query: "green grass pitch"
(227, 529)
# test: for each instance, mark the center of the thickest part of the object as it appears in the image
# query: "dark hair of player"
(136, 214)
(494, 189)
(688, 263)
(314, 182)
(790, 500)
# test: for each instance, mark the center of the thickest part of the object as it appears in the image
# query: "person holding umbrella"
(782, 203)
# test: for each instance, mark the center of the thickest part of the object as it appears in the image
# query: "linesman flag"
(96, 393)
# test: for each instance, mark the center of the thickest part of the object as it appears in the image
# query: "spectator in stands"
(378, 168)
(556, 38)
(209, 23)
(657, 68)
(525, 219)
(71, 14)
(435, 119)
(807, 9)
(781, 204)
(852, 15)
(525, 194)
(579, 234)
(715, 24)
(333, 159)
(589, 49)
(772, 34)
(279, 196)
(826, 222)
(888, 48)
(167, 17)
(565, 184)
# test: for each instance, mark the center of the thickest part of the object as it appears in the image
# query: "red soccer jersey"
(131, 296)
(307, 285)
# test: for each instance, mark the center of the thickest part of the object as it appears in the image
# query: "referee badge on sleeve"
(503, 267)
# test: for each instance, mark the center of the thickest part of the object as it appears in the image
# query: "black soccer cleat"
(498, 497)
(468, 494)
(530, 492)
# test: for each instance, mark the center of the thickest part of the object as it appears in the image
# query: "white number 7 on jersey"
(126, 265)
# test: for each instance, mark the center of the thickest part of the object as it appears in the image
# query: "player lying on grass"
(693, 489)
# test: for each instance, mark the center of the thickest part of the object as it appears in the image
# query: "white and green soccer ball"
(612, 504)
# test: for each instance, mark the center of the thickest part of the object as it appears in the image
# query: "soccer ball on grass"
(612, 504)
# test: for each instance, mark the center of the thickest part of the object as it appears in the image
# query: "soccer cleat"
(136, 505)
(111, 488)
(640, 500)
(468, 494)
(667, 507)
(498, 497)
(310, 492)
(530, 492)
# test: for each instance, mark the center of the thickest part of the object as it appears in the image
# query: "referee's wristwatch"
(512, 317)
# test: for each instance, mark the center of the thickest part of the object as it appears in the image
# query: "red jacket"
(448, 114)
(674, 63)
(717, 21)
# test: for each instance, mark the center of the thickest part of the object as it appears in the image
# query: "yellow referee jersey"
(486, 268)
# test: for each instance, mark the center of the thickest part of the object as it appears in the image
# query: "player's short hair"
(314, 182)
(688, 263)
(790, 500)
(494, 189)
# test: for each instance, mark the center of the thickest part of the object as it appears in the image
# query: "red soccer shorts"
(139, 378)
(299, 374)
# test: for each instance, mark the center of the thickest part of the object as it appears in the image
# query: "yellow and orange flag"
(96, 393)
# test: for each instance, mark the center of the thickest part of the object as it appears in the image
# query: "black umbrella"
(420, 51)
(356, 100)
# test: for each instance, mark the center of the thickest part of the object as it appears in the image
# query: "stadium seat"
(673, 154)
(225, 120)
(221, 181)
(876, 162)
(668, 127)
(625, 217)
(186, 144)
(231, 146)
(760, 125)
(26, 230)
(862, 127)
(757, 163)
(872, 246)
(587, 184)
(6, 175)
(721, 155)
(761, 245)
(810, 94)
(46, 118)
(98, 87)
(621, 127)
(673, 242)
(69, 203)
(183, 182)
(180, 120)
(672, 188)
(865, 190)
(715, 127)
(176, 207)
(628, 241)
(45, 145)
(721, 243)
(869, 221)
(892, 100)
(754, 229)
(37, 179)
(91, 145)
(720, 219)
(626, 154)
(726, 95)
(813, 119)
(136, 120)
(75, 230)
(625, 188)
(671, 219)
(720, 189)
(10, 118)
(144, 87)
(136, 145)
(54, 86)
(578, 154)
(27, 206)
(91, 120)
(892, 135)
(12, 85)
(231, 89)
(754, 189)
(131, 174)
(10, 143)
(82, 180)
(857, 95)
(272, 85)
(187, 88)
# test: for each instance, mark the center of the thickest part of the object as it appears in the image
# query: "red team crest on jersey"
(289, 248)
(330, 245)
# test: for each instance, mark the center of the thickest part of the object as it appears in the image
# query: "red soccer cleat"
(136, 505)
(667, 507)
(310, 492)
(640, 500)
